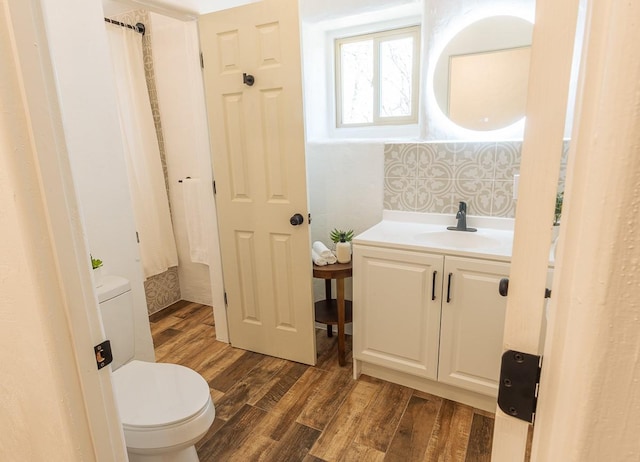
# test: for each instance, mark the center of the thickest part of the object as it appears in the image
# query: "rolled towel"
(321, 249)
(331, 259)
(317, 259)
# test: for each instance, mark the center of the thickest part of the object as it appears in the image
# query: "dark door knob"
(296, 219)
(503, 287)
(248, 79)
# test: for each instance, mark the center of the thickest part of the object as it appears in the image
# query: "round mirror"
(480, 79)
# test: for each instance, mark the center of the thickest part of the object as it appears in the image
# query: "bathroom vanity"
(427, 312)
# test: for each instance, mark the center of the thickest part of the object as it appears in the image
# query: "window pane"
(356, 62)
(396, 67)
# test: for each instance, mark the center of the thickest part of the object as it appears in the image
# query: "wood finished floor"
(270, 409)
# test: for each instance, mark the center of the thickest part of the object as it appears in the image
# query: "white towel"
(321, 249)
(317, 259)
(322, 261)
(197, 218)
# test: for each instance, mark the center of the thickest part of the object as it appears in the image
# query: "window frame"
(378, 36)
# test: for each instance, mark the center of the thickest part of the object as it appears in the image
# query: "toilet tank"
(116, 310)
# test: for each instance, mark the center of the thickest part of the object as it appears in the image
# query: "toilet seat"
(161, 404)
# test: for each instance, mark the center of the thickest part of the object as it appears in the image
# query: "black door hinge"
(519, 382)
(104, 355)
(214, 188)
(225, 299)
(137, 237)
(201, 60)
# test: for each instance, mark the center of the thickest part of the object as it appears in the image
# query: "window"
(377, 78)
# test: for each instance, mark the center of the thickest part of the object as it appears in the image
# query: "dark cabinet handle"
(433, 286)
(449, 288)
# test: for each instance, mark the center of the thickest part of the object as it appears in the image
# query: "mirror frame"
(491, 33)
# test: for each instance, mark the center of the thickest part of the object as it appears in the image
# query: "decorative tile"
(503, 203)
(435, 160)
(434, 195)
(475, 160)
(481, 174)
(400, 194)
(476, 193)
(162, 290)
(400, 160)
(508, 158)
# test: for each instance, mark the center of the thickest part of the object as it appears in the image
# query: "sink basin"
(458, 239)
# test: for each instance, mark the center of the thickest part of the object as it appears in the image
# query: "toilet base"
(187, 454)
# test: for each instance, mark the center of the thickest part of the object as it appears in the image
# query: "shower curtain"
(142, 155)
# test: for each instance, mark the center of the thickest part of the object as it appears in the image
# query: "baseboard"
(470, 398)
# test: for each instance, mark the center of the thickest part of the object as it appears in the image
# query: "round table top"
(335, 271)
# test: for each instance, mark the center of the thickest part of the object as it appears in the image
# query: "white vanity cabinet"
(434, 316)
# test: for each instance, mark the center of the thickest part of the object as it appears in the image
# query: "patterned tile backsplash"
(434, 177)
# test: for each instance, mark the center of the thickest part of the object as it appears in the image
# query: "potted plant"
(558, 210)
(342, 240)
(338, 234)
(96, 265)
(555, 232)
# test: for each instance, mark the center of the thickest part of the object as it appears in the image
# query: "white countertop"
(428, 232)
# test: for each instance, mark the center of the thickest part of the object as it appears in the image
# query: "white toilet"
(165, 408)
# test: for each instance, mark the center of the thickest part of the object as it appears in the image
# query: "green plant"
(95, 262)
(338, 235)
(558, 211)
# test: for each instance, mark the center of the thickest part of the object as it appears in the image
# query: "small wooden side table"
(334, 310)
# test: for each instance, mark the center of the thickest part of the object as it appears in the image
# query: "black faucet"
(462, 219)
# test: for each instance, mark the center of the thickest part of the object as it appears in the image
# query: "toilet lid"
(158, 394)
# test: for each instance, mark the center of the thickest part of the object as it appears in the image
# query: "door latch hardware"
(503, 288)
(519, 381)
(248, 79)
(104, 355)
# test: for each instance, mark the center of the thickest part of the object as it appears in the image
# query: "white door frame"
(589, 405)
(589, 395)
(68, 291)
(548, 90)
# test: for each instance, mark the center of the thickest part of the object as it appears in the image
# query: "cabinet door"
(472, 324)
(396, 309)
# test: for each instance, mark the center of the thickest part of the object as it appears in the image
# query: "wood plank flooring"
(270, 409)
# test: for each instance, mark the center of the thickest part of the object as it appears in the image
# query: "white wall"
(345, 188)
(85, 87)
(443, 19)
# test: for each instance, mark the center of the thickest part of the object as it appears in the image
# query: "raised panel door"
(258, 150)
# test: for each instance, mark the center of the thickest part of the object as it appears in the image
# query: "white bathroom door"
(253, 84)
